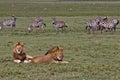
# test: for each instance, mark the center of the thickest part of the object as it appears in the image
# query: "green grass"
(91, 57)
(38, 8)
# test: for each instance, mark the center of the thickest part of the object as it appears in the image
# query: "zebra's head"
(14, 17)
(54, 20)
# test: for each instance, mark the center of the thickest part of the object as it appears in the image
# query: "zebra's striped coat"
(9, 22)
(59, 24)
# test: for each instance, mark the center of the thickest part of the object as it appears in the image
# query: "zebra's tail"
(44, 24)
(65, 26)
(118, 22)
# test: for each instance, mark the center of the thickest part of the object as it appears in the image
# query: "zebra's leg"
(93, 31)
(88, 29)
(12, 27)
(101, 29)
(41, 28)
(57, 30)
(63, 29)
(114, 28)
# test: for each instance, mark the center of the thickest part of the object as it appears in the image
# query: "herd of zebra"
(38, 22)
(93, 25)
(106, 24)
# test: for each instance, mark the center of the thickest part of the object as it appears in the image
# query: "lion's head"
(18, 48)
(56, 52)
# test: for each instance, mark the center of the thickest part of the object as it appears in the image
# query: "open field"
(54, 8)
(91, 57)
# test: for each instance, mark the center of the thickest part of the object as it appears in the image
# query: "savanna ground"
(91, 57)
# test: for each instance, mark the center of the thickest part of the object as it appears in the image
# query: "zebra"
(59, 25)
(38, 19)
(109, 24)
(36, 24)
(93, 25)
(9, 22)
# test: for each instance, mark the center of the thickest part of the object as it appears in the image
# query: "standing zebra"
(37, 23)
(9, 22)
(109, 24)
(59, 24)
(93, 25)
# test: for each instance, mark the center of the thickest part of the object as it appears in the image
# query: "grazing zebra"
(59, 24)
(109, 24)
(37, 23)
(8, 22)
(93, 25)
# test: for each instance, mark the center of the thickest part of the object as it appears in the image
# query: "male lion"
(19, 54)
(54, 55)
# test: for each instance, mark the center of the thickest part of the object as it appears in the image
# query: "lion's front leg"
(28, 59)
(17, 61)
(63, 61)
(60, 62)
(54, 61)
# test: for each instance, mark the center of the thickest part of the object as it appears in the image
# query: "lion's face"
(19, 48)
(58, 54)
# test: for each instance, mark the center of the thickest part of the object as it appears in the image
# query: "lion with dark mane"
(54, 55)
(19, 55)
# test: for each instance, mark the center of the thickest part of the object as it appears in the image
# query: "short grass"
(58, 8)
(91, 57)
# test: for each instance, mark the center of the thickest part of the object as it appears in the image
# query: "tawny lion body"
(54, 55)
(19, 55)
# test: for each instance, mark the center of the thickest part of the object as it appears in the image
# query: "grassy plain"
(91, 57)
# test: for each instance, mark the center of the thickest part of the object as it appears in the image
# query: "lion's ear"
(57, 48)
(16, 44)
(19, 43)
(22, 44)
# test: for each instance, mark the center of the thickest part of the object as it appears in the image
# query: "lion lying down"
(19, 54)
(54, 55)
